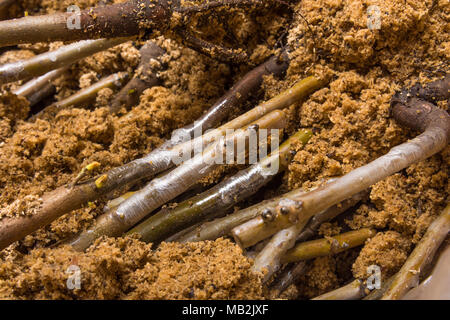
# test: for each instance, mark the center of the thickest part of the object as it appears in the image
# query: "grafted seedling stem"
(269, 258)
(219, 198)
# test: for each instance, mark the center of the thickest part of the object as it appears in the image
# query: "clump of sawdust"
(12, 110)
(329, 229)
(128, 269)
(350, 118)
(185, 271)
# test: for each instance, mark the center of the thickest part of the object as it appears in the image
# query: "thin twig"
(287, 277)
(355, 290)
(39, 88)
(326, 246)
(65, 199)
(376, 294)
(145, 77)
(117, 20)
(83, 96)
(209, 49)
(58, 58)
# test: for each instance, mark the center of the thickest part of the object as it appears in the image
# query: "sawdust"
(350, 119)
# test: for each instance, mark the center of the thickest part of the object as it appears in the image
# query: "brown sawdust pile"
(351, 124)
